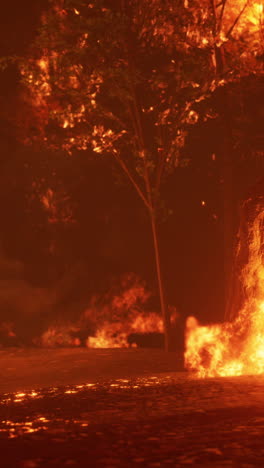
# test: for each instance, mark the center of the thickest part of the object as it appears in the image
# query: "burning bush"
(109, 319)
(122, 312)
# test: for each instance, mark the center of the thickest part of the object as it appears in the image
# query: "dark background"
(108, 233)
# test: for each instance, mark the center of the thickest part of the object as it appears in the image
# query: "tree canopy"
(122, 79)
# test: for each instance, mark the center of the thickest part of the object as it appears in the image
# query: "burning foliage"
(87, 90)
(236, 347)
(109, 320)
(48, 317)
(122, 315)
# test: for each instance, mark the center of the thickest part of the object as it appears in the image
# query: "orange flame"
(115, 335)
(115, 316)
(109, 336)
(234, 348)
(242, 16)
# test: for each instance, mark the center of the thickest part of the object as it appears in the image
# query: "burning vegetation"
(236, 347)
(125, 81)
(121, 317)
(114, 320)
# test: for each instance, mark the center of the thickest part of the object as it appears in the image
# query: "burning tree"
(247, 276)
(238, 52)
(120, 79)
(236, 347)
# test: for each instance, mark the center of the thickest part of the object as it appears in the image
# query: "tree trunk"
(164, 308)
(228, 222)
(228, 196)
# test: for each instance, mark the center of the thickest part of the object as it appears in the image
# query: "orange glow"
(243, 16)
(43, 64)
(114, 335)
(59, 335)
(114, 316)
(234, 348)
(39, 423)
(58, 206)
(241, 20)
(147, 323)
(123, 315)
(109, 336)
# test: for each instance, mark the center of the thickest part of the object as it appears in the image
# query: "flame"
(109, 319)
(247, 15)
(48, 82)
(147, 324)
(115, 335)
(242, 19)
(109, 336)
(59, 335)
(237, 347)
(123, 316)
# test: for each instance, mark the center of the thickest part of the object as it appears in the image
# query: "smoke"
(21, 304)
(53, 316)
(108, 318)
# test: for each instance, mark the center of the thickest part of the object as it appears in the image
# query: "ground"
(124, 408)
(25, 368)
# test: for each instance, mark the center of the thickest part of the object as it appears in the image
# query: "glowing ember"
(234, 348)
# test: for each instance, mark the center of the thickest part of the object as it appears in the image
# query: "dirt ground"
(124, 409)
(23, 369)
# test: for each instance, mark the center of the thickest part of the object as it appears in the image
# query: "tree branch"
(221, 15)
(132, 180)
(237, 19)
